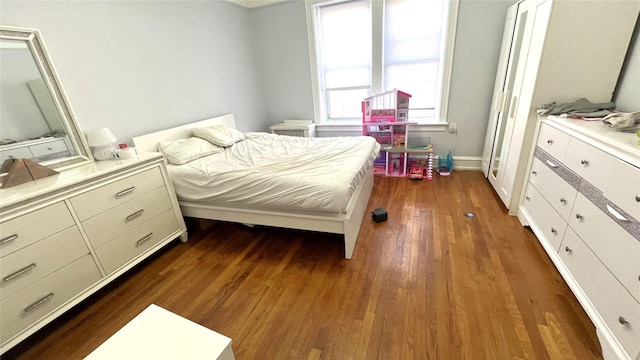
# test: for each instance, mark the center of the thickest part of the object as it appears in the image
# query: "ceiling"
(254, 3)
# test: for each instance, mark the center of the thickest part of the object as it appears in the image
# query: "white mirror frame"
(33, 39)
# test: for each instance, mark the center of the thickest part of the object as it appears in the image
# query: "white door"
(528, 40)
(499, 90)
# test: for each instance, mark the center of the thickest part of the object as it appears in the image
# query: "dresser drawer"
(108, 196)
(590, 163)
(30, 264)
(48, 148)
(31, 304)
(614, 304)
(558, 192)
(547, 219)
(553, 141)
(29, 228)
(624, 189)
(614, 246)
(135, 242)
(17, 153)
(104, 227)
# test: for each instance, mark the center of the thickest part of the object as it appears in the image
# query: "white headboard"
(149, 142)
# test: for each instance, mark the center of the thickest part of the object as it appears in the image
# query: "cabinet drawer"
(48, 148)
(558, 192)
(104, 227)
(590, 163)
(30, 264)
(624, 191)
(17, 153)
(31, 304)
(106, 197)
(135, 242)
(553, 141)
(616, 248)
(612, 301)
(29, 228)
(547, 219)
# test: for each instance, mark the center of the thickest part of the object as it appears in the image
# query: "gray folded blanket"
(581, 107)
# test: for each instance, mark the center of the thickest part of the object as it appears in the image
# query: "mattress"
(279, 172)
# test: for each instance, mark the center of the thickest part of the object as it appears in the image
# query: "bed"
(206, 196)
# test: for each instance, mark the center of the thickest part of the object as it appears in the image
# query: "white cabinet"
(65, 236)
(552, 50)
(584, 183)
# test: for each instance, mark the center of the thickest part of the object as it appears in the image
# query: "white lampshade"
(102, 141)
(101, 137)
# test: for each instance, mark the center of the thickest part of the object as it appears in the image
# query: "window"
(364, 47)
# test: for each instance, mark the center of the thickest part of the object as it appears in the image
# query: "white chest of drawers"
(64, 237)
(582, 200)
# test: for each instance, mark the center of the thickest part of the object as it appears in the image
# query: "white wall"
(280, 40)
(139, 66)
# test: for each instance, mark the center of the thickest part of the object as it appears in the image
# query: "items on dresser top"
(582, 201)
(107, 216)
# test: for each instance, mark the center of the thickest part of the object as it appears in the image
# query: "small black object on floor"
(379, 215)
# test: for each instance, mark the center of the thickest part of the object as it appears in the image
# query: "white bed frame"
(347, 224)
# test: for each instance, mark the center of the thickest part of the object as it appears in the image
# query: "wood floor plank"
(429, 283)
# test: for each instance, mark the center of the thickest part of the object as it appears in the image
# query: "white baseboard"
(466, 162)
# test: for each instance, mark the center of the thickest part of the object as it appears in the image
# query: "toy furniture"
(385, 118)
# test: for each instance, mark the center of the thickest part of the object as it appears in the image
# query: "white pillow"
(182, 151)
(219, 135)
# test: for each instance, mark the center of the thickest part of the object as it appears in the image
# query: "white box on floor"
(157, 333)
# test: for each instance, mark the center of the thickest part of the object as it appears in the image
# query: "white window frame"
(377, 13)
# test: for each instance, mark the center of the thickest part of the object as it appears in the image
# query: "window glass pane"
(419, 79)
(346, 103)
(412, 49)
(347, 77)
(346, 35)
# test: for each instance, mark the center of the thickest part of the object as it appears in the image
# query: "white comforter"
(267, 170)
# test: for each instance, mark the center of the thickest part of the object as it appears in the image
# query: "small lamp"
(102, 142)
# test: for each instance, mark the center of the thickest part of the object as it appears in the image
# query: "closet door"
(521, 108)
(530, 30)
(499, 90)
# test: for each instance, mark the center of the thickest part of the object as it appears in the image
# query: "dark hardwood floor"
(429, 283)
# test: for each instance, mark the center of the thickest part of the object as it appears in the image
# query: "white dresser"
(64, 237)
(582, 200)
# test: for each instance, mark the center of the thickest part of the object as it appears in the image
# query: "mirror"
(37, 122)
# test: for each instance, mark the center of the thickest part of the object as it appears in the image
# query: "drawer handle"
(8, 239)
(622, 320)
(638, 198)
(146, 238)
(568, 249)
(527, 198)
(19, 272)
(125, 191)
(578, 216)
(554, 231)
(563, 200)
(549, 141)
(584, 162)
(38, 303)
(135, 214)
(616, 214)
(534, 172)
(552, 165)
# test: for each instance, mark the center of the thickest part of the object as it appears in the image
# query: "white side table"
(157, 333)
